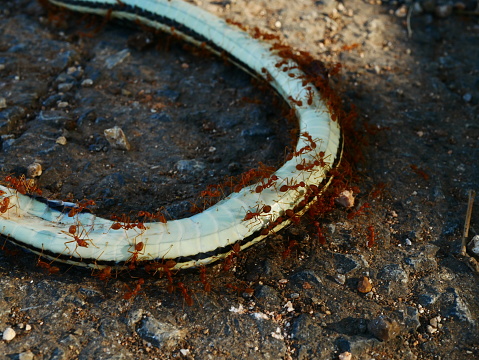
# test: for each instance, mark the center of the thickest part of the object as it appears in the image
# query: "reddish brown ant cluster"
(124, 222)
(80, 206)
(23, 185)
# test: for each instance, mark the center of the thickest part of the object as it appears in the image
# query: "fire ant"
(77, 237)
(80, 206)
(294, 101)
(184, 292)
(104, 274)
(360, 211)
(134, 258)
(287, 187)
(204, 279)
(251, 215)
(158, 216)
(321, 237)
(267, 184)
(124, 222)
(292, 216)
(239, 289)
(135, 291)
(4, 204)
(310, 139)
(228, 263)
(48, 267)
(371, 236)
(286, 253)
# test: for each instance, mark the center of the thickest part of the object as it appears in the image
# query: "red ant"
(251, 215)
(124, 222)
(48, 267)
(80, 206)
(310, 95)
(238, 289)
(360, 211)
(286, 253)
(228, 263)
(104, 274)
(73, 232)
(4, 203)
(286, 187)
(294, 101)
(307, 165)
(135, 291)
(371, 236)
(134, 258)
(267, 184)
(204, 279)
(310, 139)
(321, 237)
(292, 216)
(184, 292)
(159, 216)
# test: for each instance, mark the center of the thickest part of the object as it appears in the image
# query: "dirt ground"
(411, 70)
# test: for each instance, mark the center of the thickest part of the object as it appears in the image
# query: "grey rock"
(267, 296)
(190, 166)
(346, 263)
(456, 307)
(160, 334)
(309, 276)
(409, 317)
(423, 258)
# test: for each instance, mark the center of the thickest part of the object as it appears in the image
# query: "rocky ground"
(411, 69)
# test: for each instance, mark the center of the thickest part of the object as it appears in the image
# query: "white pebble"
(8, 334)
(117, 138)
(430, 329)
(61, 140)
(34, 170)
(87, 83)
(27, 355)
(345, 356)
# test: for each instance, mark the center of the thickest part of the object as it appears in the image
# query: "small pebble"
(61, 140)
(408, 242)
(64, 87)
(364, 285)
(3, 103)
(467, 97)
(87, 83)
(401, 12)
(62, 104)
(340, 278)
(34, 170)
(117, 58)
(345, 199)
(383, 328)
(117, 139)
(27, 355)
(8, 334)
(443, 11)
(431, 329)
(345, 356)
(474, 245)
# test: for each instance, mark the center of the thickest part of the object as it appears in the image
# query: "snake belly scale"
(42, 225)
